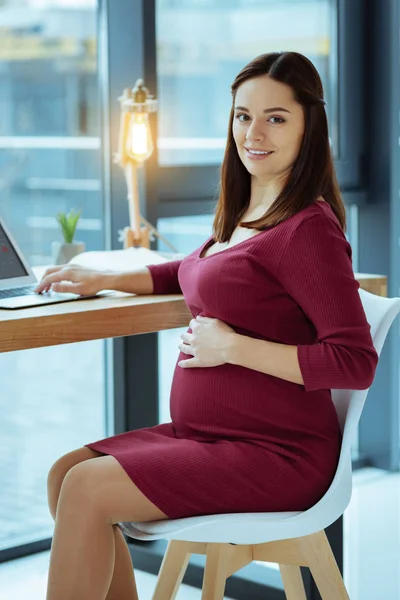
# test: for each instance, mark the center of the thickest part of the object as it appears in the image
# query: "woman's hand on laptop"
(72, 279)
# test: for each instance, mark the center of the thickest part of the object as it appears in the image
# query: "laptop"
(17, 280)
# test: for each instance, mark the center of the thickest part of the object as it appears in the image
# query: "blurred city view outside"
(201, 47)
(50, 160)
(50, 155)
(52, 400)
(49, 122)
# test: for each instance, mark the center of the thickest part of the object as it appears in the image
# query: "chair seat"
(233, 528)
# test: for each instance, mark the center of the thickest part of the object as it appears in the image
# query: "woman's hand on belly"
(208, 343)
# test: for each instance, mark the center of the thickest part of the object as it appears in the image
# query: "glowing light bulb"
(139, 143)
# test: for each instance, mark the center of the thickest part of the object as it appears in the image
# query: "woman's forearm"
(270, 358)
(138, 281)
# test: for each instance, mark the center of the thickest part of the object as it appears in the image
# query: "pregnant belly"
(234, 403)
(227, 401)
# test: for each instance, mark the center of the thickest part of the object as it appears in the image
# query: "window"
(49, 161)
(202, 45)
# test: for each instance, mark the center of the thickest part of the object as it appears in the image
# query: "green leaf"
(68, 223)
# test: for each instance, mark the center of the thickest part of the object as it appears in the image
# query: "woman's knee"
(60, 469)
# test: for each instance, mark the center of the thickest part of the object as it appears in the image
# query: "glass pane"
(49, 162)
(195, 71)
(49, 406)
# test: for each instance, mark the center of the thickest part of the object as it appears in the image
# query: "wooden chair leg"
(292, 582)
(172, 570)
(216, 571)
(324, 568)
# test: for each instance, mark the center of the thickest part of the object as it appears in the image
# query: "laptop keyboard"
(27, 290)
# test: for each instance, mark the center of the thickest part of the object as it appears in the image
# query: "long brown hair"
(313, 172)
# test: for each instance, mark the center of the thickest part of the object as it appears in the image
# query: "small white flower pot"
(63, 252)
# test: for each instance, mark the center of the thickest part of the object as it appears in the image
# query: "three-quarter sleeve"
(317, 272)
(165, 277)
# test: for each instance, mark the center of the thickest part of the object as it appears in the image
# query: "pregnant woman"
(277, 322)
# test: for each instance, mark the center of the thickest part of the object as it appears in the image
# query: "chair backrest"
(380, 313)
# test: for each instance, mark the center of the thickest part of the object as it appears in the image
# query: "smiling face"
(268, 127)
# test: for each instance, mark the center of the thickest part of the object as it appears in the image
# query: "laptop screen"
(10, 264)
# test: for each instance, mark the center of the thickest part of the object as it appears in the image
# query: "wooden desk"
(107, 317)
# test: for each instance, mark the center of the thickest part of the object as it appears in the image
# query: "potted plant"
(64, 251)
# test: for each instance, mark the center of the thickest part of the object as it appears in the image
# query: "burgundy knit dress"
(240, 440)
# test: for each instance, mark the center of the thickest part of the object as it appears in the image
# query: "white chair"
(292, 539)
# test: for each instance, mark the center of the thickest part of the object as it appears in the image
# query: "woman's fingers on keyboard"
(52, 275)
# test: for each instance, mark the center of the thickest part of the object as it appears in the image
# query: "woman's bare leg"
(123, 584)
(95, 496)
